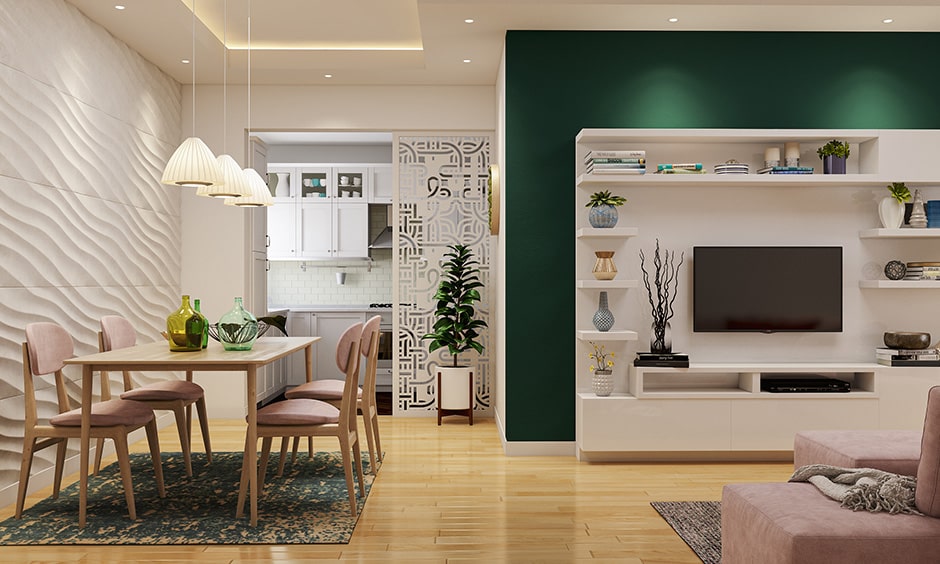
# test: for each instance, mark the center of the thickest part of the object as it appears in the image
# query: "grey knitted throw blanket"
(861, 488)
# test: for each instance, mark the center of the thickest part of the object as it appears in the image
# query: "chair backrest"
(369, 347)
(46, 348)
(116, 333)
(348, 345)
(927, 494)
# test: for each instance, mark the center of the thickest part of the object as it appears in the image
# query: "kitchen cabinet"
(382, 184)
(333, 230)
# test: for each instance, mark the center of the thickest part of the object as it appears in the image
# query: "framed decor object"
(492, 198)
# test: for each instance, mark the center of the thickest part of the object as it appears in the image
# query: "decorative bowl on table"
(241, 336)
(906, 340)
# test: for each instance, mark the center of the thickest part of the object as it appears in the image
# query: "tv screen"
(767, 289)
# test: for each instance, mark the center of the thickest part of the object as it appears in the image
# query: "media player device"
(805, 385)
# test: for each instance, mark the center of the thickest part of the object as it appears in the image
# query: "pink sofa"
(891, 451)
(793, 523)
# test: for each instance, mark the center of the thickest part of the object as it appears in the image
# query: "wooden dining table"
(158, 357)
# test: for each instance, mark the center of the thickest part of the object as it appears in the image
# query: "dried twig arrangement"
(665, 280)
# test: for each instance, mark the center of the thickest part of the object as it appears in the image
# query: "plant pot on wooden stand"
(454, 392)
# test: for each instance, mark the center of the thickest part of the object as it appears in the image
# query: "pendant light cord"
(224, 72)
(249, 68)
(194, 68)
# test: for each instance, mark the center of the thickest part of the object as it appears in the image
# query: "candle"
(792, 150)
(771, 156)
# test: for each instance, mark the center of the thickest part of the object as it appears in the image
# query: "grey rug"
(698, 523)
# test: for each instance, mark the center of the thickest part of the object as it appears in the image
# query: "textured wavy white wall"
(86, 228)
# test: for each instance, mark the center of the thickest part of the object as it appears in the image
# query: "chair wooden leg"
(204, 426)
(120, 445)
(99, 449)
(183, 420)
(285, 442)
(29, 443)
(263, 461)
(370, 440)
(293, 453)
(375, 432)
(243, 482)
(154, 442)
(357, 456)
(60, 452)
(347, 470)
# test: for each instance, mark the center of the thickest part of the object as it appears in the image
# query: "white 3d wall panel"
(86, 228)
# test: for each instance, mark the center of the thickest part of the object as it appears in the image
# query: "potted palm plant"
(457, 329)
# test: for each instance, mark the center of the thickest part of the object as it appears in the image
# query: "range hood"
(384, 239)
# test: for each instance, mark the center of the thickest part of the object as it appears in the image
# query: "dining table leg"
(251, 444)
(85, 445)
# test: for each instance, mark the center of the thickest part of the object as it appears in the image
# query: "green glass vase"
(185, 327)
(238, 328)
(205, 334)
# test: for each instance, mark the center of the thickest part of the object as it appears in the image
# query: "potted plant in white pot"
(891, 208)
(604, 206)
(457, 329)
(833, 155)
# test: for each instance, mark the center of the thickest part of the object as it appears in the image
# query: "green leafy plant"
(456, 327)
(899, 192)
(599, 356)
(604, 198)
(834, 148)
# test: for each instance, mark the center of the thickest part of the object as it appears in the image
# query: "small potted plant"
(891, 207)
(603, 206)
(833, 155)
(456, 329)
(602, 381)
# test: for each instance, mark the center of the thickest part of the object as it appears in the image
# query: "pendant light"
(192, 164)
(260, 194)
(234, 184)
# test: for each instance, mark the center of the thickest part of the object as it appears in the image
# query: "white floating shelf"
(899, 284)
(591, 181)
(898, 233)
(608, 284)
(607, 335)
(609, 233)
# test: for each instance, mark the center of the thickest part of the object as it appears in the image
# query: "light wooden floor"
(448, 494)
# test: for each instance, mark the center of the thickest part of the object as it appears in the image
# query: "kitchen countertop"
(338, 308)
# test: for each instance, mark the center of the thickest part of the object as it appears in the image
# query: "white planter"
(455, 387)
(891, 212)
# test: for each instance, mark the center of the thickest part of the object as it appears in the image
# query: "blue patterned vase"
(603, 216)
(603, 318)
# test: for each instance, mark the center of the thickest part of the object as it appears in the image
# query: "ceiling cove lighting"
(234, 184)
(259, 194)
(192, 164)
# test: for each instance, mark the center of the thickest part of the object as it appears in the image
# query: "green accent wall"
(559, 82)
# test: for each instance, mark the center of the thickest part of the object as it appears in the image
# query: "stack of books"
(786, 170)
(680, 168)
(674, 360)
(616, 162)
(923, 271)
(907, 357)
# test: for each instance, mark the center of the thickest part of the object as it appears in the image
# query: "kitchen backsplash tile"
(288, 284)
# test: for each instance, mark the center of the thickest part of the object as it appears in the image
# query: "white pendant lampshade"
(260, 195)
(193, 164)
(234, 184)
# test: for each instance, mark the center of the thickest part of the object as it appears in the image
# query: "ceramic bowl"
(906, 340)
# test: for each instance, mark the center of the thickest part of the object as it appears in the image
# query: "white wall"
(86, 126)
(499, 157)
(214, 265)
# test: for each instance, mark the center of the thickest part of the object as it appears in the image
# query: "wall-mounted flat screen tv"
(767, 289)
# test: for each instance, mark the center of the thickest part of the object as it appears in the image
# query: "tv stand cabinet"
(714, 411)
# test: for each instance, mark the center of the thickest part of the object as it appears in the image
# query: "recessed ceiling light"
(118, 7)
(468, 20)
(673, 20)
(887, 20)
(466, 60)
(328, 76)
(185, 61)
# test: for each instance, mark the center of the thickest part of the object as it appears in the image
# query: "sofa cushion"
(792, 523)
(927, 496)
(891, 451)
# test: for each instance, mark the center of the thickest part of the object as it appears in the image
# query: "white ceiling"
(426, 41)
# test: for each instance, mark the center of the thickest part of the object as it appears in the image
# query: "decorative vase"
(918, 217)
(602, 382)
(603, 318)
(282, 190)
(205, 333)
(603, 216)
(833, 164)
(661, 337)
(184, 328)
(891, 212)
(237, 329)
(604, 267)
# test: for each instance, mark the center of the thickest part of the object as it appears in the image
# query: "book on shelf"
(622, 154)
(886, 362)
(679, 171)
(785, 170)
(687, 166)
(614, 165)
(618, 171)
(661, 356)
(887, 351)
(662, 363)
(615, 160)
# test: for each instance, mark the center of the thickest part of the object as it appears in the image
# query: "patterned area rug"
(698, 523)
(308, 504)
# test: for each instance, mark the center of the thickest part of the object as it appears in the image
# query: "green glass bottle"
(205, 333)
(238, 328)
(185, 327)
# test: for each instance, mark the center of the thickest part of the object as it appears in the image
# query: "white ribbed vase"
(602, 382)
